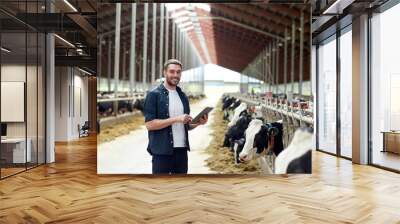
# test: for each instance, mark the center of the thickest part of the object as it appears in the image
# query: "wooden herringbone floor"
(70, 191)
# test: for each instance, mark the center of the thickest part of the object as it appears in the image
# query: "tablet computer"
(201, 114)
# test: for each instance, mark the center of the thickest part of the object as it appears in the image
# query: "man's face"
(173, 74)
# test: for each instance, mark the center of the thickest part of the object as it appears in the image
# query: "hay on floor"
(119, 128)
(221, 158)
(196, 100)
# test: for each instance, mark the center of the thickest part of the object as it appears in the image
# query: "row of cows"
(296, 112)
(250, 136)
(106, 109)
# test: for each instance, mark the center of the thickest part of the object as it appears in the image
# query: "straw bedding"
(120, 128)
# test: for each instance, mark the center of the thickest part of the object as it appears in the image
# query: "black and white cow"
(124, 106)
(237, 112)
(260, 139)
(105, 108)
(236, 131)
(227, 101)
(296, 158)
(230, 110)
(139, 104)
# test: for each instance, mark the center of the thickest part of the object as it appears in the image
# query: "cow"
(296, 158)
(229, 107)
(238, 111)
(139, 105)
(236, 131)
(105, 108)
(237, 148)
(124, 106)
(227, 101)
(261, 139)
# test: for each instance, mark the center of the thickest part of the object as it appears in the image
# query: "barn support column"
(123, 66)
(153, 44)
(132, 61)
(265, 69)
(269, 67)
(177, 47)
(109, 65)
(117, 53)
(301, 53)
(292, 55)
(161, 39)
(173, 52)
(285, 62)
(277, 67)
(144, 61)
(166, 34)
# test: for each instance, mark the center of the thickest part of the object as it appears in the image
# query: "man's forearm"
(158, 124)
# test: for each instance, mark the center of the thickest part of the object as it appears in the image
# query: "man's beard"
(172, 82)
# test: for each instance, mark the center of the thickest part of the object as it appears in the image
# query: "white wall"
(12, 73)
(33, 127)
(71, 96)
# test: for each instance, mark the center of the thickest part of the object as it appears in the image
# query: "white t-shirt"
(176, 109)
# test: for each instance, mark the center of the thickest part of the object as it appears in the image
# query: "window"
(22, 75)
(385, 88)
(346, 93)
(327, 95)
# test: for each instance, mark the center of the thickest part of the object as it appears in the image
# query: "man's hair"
(172, 61)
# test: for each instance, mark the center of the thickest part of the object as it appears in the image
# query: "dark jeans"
(171, 164)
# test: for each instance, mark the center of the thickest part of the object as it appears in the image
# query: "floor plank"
(70, 191)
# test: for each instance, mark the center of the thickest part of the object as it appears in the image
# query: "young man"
(166, 111)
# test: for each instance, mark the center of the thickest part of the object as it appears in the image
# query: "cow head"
(237, 148)
(235, 104)
(236, 115)
(227, 101)
(248, 149)
(139, 104)
(266, 136)
(276, 137)
(237, 131)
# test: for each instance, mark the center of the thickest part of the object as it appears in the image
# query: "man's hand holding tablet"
(202, 117)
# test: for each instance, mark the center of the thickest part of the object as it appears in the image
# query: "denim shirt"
(156, 107)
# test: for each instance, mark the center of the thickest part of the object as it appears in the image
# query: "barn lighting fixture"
(338, 6)
(70, 5)
(5, 50)
(65, 41)
(84, 71)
